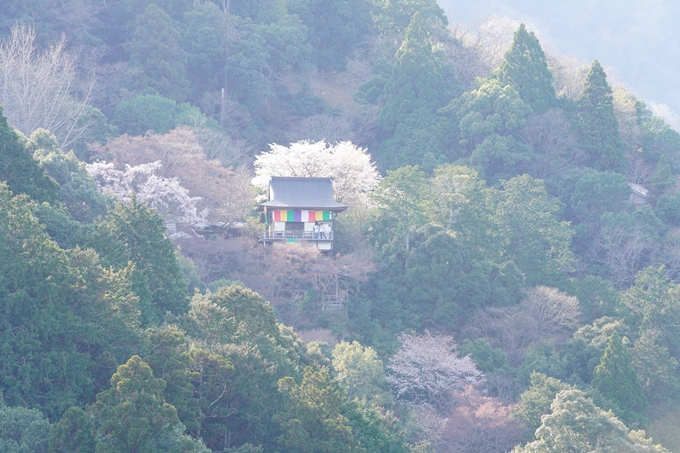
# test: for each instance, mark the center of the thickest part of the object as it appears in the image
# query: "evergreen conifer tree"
(18, 168)
(420, 84)
(417, 80)
(136, 234)
(526, 69)
(617, 380)
(598, 125)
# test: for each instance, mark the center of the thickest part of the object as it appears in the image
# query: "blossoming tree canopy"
(354, 174)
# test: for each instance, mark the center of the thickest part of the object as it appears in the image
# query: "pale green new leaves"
(576, 425)
(360, 371)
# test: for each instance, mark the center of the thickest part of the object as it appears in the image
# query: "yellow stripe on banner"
(319, 216)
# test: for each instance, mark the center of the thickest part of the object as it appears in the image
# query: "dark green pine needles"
(598, 125)
(616, 379)
(525, 68)
(19, 170)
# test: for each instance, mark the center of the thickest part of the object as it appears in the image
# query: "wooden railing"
(298, 234)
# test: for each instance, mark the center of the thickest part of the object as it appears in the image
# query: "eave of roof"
(301, 194)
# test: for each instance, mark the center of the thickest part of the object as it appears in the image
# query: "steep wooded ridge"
(506, 278)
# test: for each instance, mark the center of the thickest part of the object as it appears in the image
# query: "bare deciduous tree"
(484, 47)
(638, 171)
(555, 312)
(569, 75)
(555, 148)
(624, 251)
(545, 314)
(322, 127)
(481, 424)
(39, 89)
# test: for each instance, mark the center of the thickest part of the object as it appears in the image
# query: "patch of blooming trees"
(354, 175)
(142, 182)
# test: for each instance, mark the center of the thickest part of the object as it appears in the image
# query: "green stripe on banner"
(326, 216)
(290, 216)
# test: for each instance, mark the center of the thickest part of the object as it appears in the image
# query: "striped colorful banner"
(287, 215)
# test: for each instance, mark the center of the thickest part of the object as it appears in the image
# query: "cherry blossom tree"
(225, 191)
(354, 174)
(142, 182)
(426, 370)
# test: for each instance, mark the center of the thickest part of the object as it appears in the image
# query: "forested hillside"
(506, 277)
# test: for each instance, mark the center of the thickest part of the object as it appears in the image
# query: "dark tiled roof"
(301, 193)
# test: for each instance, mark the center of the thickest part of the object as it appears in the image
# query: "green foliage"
(616, 379)
(136, 234)
(158, 114)
(146, 112)
(668, 209)
(536, 400)
(155, 49)
(22, 174)
(75, 431)
(169, 359)
(370, 91)
(534, 239)
(652, 304)
(248, 353)
(599, 192)
(360, 372)
(663, 178)
(23, 430)
(261, 11)
(582, 353)
(541, 357)
(597, 298)
(659, 139)
(77, 189)
(261, 50)
(394, 16)
(39, 288)
(203, 40)
(401, 199)
(525, 68)
(577, 424)
(313, 421)
(420, 134)
(133, 411)
(487, 118)
(598, 125)
(421, 83)
(656, 368)
(487, 358)
(375, 430)
(335, 28)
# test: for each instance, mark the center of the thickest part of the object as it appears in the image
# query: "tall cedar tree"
(133, 411)
(526, 69)
(19, 170)
(416, 82)
(136, 234)
(598, 125)
(617, 380)
(43, 363)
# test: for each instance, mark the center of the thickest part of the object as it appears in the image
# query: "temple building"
(300, 210)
